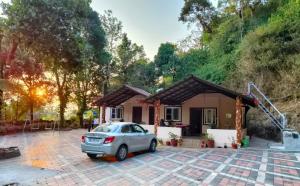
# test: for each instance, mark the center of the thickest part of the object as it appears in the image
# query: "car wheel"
(153, 145)
(92, 156)
(122, 153)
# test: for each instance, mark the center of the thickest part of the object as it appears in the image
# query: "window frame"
(121, 113)
(215, 118)
(172, 112)
(133, 130)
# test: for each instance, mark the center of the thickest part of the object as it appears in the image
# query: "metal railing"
(264, 103)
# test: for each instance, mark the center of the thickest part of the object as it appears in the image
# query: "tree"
(127, 54)
(113, 30)
(29, 74)
(144, 74)
(166, 61)
(53, 30)
(87, 77)
(271, 53)
(198, 11)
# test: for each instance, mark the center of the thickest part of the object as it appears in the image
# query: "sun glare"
(40, 92)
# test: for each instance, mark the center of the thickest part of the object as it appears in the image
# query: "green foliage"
(127, 54)
(167, 61)
(144, 75)
(272, 51)
(198, 11)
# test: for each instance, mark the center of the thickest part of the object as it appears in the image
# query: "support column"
(156, 115)
(103, 113)
(238, 119)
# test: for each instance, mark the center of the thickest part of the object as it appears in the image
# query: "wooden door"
(195, 121)
(137, 113)
(151, 115)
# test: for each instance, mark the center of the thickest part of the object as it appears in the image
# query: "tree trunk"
(8, 60)
(61, 115)
(31, 112)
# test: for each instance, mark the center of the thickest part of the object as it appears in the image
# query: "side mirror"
(146, 131)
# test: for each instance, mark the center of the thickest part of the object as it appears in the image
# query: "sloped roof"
(190, 87)
(121, 95)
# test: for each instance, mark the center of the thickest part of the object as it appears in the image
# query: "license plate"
(94, 140)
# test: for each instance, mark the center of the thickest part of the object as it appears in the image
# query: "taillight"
(83, 139)
(109, 139)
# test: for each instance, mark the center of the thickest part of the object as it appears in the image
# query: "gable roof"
(190, 87)
(121, 95)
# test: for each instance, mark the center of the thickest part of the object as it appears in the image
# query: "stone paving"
(54, 158)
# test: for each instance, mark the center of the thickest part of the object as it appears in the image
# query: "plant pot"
(234, 145)
(203, 144)
(174, 142)
(210, 143)
(168, 143)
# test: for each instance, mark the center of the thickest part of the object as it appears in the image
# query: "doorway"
(137, 114)
(151, 115)
(195, 121)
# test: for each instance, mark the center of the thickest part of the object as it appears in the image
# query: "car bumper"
(101, 150)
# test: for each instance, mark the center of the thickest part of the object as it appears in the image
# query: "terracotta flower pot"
(234, 145)
(203, 144)
(174, 142)
(210, 143)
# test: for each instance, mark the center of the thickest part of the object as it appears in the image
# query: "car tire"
(152, 147)
(122, 153)
(92, 156)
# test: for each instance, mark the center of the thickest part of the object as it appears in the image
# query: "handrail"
(249, 92)
(282, 122)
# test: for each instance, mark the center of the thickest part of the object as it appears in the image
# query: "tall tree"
(144, 74)
(88, 77)
(51, 29)
(113, 30)
(166, 60)
(29, 74)
(198, 11)
(127, 54)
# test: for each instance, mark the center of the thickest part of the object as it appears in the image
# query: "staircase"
(290, 137)
(278, 119)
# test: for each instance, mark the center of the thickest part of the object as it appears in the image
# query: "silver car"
(117, 139)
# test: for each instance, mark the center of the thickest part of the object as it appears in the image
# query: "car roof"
(119, 123)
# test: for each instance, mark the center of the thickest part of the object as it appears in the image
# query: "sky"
(147, 22)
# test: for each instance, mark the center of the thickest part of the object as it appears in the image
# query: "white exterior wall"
(163, 132)
(222, 136)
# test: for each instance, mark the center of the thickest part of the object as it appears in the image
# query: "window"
(117, 113)
(126, 129)
(137, 129)
(173, 113)
(106, 128)
(210, 116)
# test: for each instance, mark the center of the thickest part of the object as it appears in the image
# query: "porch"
(198, 106)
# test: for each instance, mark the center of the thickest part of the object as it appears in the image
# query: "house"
(193, 104)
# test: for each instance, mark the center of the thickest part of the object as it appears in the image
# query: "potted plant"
(180, 141)
(210, 141)
(233, 143)
(174, 139)
(203, 144)
(160, 141)
(168, 143)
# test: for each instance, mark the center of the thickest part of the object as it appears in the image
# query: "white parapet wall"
(163, 132)
(222, 136)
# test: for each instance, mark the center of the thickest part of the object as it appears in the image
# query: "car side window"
(137, 129)
(126, 129)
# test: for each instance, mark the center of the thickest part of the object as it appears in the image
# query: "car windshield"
(106, 128)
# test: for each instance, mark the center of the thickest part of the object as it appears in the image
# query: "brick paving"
(55, 158)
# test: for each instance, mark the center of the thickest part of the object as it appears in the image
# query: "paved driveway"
(55, 159)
